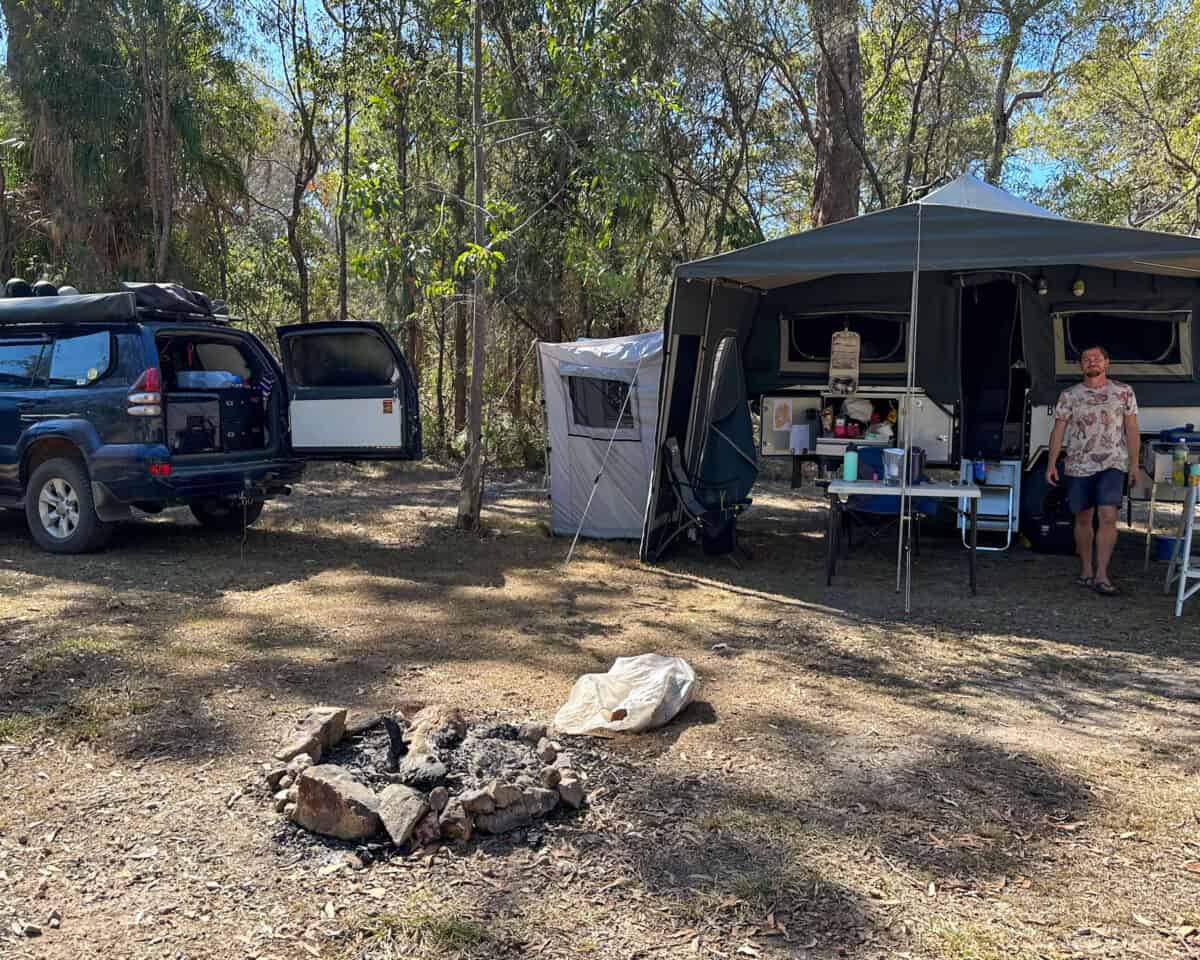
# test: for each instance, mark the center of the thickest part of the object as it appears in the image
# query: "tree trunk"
(297, 251)
(404, 290)
(6, 269)
(441, 378)
(343, 196)
(413, 348)
(18, 17)
(471, 500)
(460, 287)
(222, 246)
(839, 112)
(165, 166)
(1000, 112)
(514, 376)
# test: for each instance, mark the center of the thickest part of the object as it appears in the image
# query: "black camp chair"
(877, 514)
(705, 505)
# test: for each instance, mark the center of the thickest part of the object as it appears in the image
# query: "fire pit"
(433, 777)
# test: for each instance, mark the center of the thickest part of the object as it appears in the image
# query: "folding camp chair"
(705, 504)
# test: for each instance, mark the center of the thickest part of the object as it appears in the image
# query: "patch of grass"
(184, 652)
(972, 942)
(92, 718)
(441, 930)
(19, 728)
(388, 935)
(765, 884)
(759, 883)
(763, 824)
(80, 645)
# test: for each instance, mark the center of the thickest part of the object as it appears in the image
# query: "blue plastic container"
(1163, 548)
(1186, 433)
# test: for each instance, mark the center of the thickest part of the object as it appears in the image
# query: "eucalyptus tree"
(1124, 138)
(122, 105)
(296, 78)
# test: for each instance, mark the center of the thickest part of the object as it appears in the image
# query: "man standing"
(1099, 419)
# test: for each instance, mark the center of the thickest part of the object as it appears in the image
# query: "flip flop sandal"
(1086, 582)
(1106, 589)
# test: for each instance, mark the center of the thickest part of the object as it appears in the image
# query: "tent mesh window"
(1145, 342)
(883, 337)
(597, 404)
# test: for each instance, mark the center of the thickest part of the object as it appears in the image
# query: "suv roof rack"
(146, 301)
(75, 308)
(172, 301)
(148, 313)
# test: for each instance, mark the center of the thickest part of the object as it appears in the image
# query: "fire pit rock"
(434, 777)
(421, 771)
(320, 730)
(331, 802)
(401, 809)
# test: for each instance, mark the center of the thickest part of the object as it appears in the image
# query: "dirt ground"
(1010, 775)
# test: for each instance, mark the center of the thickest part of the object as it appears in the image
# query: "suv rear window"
(342, 359)
(78, 361)
(18, 364)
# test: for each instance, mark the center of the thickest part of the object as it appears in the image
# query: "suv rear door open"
(350, 393)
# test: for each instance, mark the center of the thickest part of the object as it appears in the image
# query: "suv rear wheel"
(225, 515)
(60, 511)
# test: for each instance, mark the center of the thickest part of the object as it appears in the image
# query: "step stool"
(1187, 576)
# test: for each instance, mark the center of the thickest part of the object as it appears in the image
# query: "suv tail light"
(145, 396)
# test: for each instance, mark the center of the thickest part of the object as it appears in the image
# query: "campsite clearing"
(1012, 775)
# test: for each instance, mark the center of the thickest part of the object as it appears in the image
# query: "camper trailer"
(989, 299)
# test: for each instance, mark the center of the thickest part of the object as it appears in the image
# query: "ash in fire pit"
(432, 777)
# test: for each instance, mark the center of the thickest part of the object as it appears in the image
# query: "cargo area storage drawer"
(193, 423)
(243, 420)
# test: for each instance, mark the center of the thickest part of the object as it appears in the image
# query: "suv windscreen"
(78, 361)
(19, 364)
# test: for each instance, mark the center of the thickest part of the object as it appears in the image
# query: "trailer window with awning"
(805, 339)
(1140, 343)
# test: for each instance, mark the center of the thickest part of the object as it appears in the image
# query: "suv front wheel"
(225, 515)
(60, 511)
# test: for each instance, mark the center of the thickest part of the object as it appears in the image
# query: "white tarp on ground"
(584, 384)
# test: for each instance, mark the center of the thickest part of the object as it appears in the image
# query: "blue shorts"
(1103, 489)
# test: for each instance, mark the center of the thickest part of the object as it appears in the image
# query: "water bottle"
(850, 463)
(1179, 464)
(979, 470)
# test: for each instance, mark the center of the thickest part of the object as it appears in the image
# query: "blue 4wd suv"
(147, 398)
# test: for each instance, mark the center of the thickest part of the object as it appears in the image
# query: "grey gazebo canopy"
(725, 310)
(965, 225)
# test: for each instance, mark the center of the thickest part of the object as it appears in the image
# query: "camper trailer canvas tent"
(1005, 292)
(596, 436)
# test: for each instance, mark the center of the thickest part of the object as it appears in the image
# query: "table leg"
(831, 541)
(974, 532)
(1150, 525)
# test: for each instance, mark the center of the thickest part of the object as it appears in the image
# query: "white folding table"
(967, 492)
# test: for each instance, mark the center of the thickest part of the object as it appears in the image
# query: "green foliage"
(619, 139)
(1126, 132)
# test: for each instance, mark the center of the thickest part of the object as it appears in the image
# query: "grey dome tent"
(600, 444)
(910, 260)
